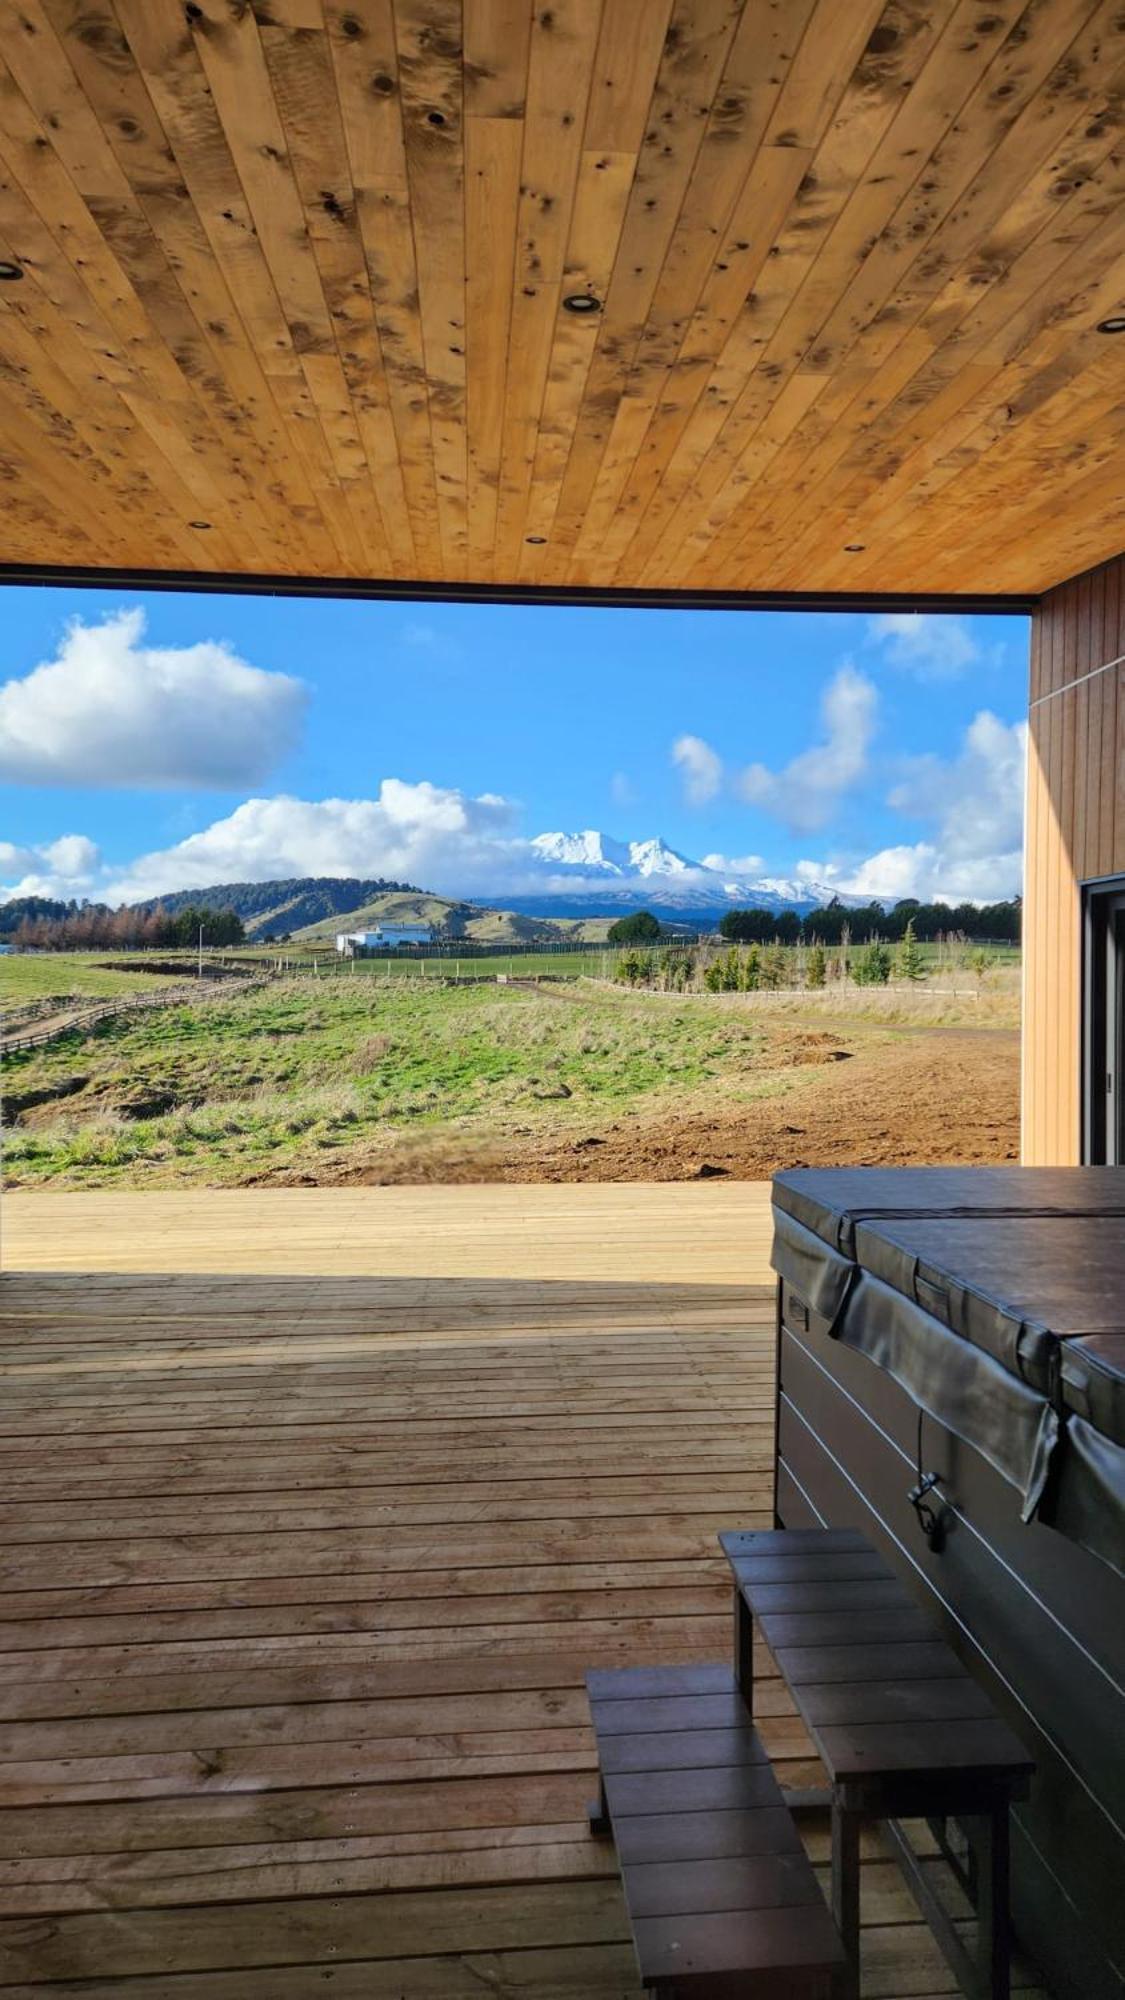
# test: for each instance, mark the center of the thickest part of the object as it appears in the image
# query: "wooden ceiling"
(297, 269)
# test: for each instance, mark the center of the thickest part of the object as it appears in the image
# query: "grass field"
(65, 976)
(209, 1092)
(314, 1076)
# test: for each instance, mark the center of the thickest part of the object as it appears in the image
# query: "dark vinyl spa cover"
(996, 1297)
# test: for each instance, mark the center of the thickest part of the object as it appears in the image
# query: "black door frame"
(1103, 1017)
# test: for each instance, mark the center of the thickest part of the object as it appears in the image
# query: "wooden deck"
(302, 1574)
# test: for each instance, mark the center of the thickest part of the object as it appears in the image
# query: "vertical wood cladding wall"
(1075, 833)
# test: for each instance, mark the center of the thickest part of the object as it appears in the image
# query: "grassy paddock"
(72, 975)
(209, 1093)
(300, 1073)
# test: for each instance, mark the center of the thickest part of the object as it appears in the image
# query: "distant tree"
(752, 970)
(775, 967)
(827, 923)
(639, 928)
(632, 969)
(748, 926)
(676, 967)
(871, 965)
(910, 963)
(816, 970)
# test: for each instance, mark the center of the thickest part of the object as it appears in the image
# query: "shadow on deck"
(301, 1579)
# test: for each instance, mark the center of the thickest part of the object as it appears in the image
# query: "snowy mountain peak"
(598, 853)
(588, 851)
(655, 857)
(593, 873)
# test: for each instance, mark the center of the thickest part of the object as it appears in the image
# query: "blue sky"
(153, 742)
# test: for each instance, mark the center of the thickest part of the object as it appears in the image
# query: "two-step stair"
(721, 1896)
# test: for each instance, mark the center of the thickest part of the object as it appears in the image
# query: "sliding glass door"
(1103, 1138)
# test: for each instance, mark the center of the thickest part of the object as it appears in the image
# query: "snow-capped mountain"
(592, 874)
(593, 853)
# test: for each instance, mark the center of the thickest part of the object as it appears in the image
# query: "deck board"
(298, 1597)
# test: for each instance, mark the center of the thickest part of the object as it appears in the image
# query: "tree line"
(835, 922)
(754, 968)
(95, 927)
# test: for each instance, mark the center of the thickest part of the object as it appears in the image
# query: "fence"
(92, 1017)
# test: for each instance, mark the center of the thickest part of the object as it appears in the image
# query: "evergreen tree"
(817, 969)
(639, 928)
(910, 965)
(752, 970)
(871, 965)
(774, 967)
(732, 970)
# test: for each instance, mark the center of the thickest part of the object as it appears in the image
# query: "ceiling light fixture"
(10, 271)
(536, 541)
(581, 302)
(854, 548)
(199, 524)
(1114, 324)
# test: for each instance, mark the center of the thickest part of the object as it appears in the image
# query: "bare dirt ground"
(921, 1096)
(938, 1095)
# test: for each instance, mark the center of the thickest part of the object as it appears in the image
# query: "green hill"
(275, 909)
(312, 908)
(447, 920)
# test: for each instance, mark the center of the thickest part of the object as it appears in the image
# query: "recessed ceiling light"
(536, 541)
(1114, 324)
(10, 271)
(581, 302)
(199, 524)
(854, 548)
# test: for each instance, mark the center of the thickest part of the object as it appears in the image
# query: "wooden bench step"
(720, 1893)
(882, 1695)
(901, 1727)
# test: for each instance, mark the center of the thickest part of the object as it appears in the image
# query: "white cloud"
(734, 864)
(66, 867)
(975, 803)
(441, 646)
(622, 790)
(932, 647)
(700, 767)
(807, 792)
(109, 710)
(72, 856)
(434, 836)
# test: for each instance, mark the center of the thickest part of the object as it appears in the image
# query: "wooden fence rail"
(81, 1024)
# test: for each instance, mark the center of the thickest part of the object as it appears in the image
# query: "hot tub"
(970, 1323)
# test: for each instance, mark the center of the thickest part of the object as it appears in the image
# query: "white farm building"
(385, 937)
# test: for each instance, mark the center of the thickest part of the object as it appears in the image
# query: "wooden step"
(884, 1698)
(720, 1893)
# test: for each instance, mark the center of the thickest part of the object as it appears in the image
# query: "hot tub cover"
(830, 1201)
(1016, 1286)
(996, 1298)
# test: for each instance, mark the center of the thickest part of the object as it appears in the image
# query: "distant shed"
(385, 937)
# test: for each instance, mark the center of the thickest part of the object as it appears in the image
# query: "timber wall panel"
(1075, 834)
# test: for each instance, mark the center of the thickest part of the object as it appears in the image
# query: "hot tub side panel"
(1041, 1620)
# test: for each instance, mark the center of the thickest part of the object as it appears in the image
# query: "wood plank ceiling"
(296, 270)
